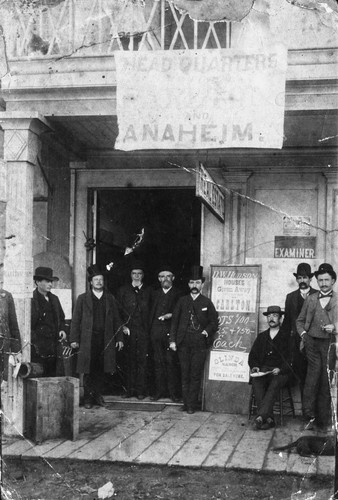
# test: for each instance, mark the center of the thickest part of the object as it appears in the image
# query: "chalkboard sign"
(235, 294)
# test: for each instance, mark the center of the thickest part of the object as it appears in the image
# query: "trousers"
(266, 392)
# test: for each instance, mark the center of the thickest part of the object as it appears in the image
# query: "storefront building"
(64, 185)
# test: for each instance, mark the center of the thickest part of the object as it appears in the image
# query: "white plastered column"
(21, 150)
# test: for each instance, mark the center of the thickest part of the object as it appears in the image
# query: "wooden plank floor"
(172, 437)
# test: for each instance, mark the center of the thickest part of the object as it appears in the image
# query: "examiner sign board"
(195, 99)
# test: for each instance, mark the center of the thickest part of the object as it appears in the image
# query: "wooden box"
(51, 408)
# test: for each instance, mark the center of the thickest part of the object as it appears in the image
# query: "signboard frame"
(209, 193)
(237, 304)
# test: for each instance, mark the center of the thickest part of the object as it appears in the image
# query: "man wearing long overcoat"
(10, 341)
(134, 305)
(96, 331)
(166, 364)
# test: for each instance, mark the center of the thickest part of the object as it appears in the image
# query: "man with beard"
(194, 322)
(167, 376)
(317, 326)
(269, 367)
(293, 305)
(96, 330)
(134, 304)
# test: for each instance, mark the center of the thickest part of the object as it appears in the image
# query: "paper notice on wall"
(195, 99)
(229, 366)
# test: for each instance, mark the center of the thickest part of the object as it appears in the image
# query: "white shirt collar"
(97, 294)
(194, 296)
(166, 290)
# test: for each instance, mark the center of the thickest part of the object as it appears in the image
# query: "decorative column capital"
(21, 136)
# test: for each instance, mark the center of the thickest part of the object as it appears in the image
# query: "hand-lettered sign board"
(235, 294)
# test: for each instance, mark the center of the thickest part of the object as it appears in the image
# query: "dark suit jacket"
(293, 305)
(82, 328)
(263, 344)
(9, 329)
(172, 296)
(205, 312)
(37, 321)
(129, 302)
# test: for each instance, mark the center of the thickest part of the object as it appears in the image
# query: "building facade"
(68, 197)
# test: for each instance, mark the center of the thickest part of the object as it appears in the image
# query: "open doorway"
(170, 219)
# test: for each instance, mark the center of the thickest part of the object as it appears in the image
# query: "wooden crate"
(51, 408)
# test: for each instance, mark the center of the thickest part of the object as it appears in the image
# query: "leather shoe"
(175, 399)
(88, 406)
(269, 424)
(126, 395)
(190, 411)
(140, 396)
(184, 408)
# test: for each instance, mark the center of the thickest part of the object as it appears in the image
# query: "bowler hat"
(95, 270)
(273, 310)
(303, 269)
(44, 273)
(196, 273)
(136, 264)
(165, 267)
(326, 268)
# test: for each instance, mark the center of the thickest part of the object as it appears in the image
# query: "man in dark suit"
(293, 304)
(10, 340)
(96, 330)
(163, 301)
(270, 355)
(317, 326)
(47, 322)
(134, 305)
(194, 323)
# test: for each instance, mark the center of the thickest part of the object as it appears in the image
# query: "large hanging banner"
(235, 294)
(195, 99)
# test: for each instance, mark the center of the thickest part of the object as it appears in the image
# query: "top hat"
(44, 273)
(196, 273)
(303, 269)
(95, 270)
(326, 268)
(273, 310)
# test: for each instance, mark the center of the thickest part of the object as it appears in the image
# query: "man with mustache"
(194, 323)
(270, 355)
(293, 304)
(166, 365)
(317, 326)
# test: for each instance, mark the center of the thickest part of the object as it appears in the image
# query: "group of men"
(180, 329)
(301, 348)
(177, 330)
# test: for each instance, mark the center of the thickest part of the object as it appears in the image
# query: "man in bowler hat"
(269, 355)
(47, 322)
(96, 331)
(293, 304)
(167, 370)
(134, 305)
(194, 323)
(317, 325)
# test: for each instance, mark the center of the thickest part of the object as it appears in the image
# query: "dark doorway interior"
(171, 219)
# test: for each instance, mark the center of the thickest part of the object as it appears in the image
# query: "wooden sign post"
(235, 294)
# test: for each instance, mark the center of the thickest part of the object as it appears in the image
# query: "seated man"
(269, 355)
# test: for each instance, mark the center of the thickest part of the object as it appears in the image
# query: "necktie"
(136, 289)
(322, 296)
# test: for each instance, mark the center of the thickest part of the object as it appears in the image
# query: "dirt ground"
(75, 480)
